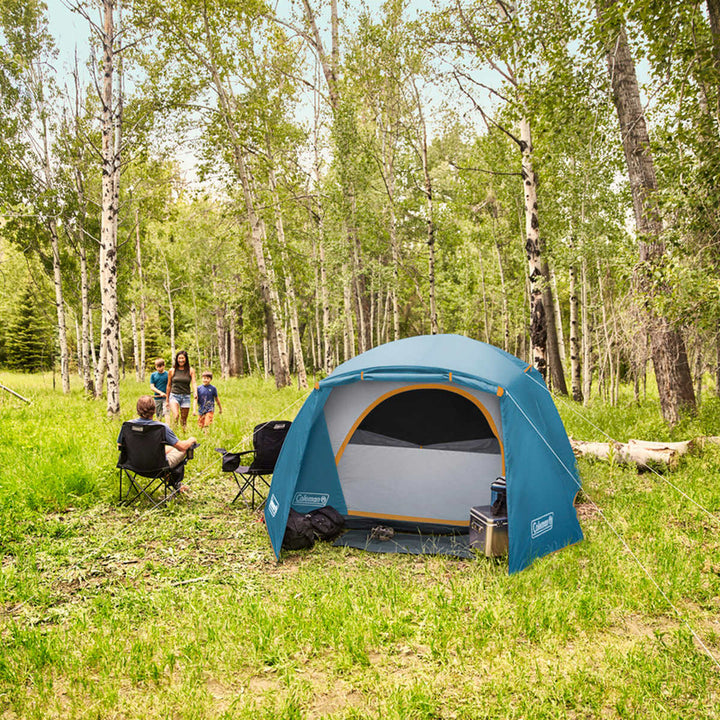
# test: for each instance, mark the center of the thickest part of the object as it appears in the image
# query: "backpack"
(327, 522)
(298, 532)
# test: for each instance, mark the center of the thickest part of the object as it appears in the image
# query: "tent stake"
(12, 392)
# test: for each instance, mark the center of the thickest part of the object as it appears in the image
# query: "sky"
(71, 32)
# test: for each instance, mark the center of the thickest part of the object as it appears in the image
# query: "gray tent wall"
(427, 485)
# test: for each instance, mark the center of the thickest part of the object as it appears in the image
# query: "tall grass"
(183, 612)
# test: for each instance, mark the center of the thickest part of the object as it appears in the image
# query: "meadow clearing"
(183, 612)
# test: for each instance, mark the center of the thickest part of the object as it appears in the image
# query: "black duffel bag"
(327, 522)
(299, 532)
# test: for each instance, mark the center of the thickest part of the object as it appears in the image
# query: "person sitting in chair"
(175, 449)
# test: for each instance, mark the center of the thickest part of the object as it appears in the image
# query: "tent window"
(427, 417)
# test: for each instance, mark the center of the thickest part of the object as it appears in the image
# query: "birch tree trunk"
(606, 334)
(395, 254)
(483, 292)
(672, 371)
(136, 344)
(327, 362)
(558, 318)
(543, 334)
(221, 332)
(52, 225)
(110, 123)
(587, 369)
(331, 72)
(60, 311)
(78, 343)
(429, 220)
(237, 368)
(228, 110)
(101, 362)
(140, 374)
(167, 286)
(575, 368)
(505, 309)
(85, 339)
(348, 336)
(289, 287)
(86, 346)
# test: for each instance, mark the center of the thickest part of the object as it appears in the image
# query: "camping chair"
(144, 464)
(267, 441)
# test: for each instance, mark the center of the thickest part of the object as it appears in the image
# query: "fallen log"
(12, 392)
(642, 453)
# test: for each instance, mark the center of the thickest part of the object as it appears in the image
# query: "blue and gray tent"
(412, 434)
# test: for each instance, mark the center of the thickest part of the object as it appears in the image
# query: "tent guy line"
(136, 520)
(650, 468)
(247, 439)
(680, 616)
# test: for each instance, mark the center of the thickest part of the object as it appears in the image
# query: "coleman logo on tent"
(541, 525)
(311, 498)
(273, 505)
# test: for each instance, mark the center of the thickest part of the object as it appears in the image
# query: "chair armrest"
(190, 452)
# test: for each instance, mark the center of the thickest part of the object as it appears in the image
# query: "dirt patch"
(586, 511)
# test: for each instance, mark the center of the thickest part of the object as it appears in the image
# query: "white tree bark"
(136, 344)
(110, 123)
(558, 318)
(348, 334)
(505, 309)
(167, 286)
(60, 311)
(575, 368)
(289, 286)
(421, 132)
(52, 225)
(140, 370)
(587, 364)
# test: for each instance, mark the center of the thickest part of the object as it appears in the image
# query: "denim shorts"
(182, 400)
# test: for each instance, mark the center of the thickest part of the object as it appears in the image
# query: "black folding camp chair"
(143, 463)
(254, 478)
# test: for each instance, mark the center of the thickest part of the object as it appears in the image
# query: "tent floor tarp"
(409, 543)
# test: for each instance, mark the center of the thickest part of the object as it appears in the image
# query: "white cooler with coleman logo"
(488, 532)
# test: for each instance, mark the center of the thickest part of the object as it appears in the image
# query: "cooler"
(488, 532)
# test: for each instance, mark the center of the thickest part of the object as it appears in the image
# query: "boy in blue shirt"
(206, 397)
(158, 384)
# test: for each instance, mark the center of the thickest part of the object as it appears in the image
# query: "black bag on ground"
(327, 522)
(298, 532)
(230, 460)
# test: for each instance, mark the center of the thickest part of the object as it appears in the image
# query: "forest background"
(277, 187)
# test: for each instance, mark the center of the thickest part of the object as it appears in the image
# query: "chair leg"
(248, 483)
(241, 487)
(151, 486)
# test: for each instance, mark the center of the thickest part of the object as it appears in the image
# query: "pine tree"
(29, 340)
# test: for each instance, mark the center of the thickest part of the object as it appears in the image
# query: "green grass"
(110, 612)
